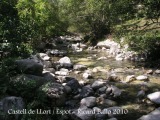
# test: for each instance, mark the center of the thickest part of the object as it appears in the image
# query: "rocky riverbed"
(86, 83)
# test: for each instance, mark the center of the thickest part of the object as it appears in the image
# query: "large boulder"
(154, 115)
(25, 84)
(73, 84)
(98, 84)
(10, 104)
(54, 92)
(88, 102)
(107, 44)
(154, 97)
(29, 66)
(86, 91)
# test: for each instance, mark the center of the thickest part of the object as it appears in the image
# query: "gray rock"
(73, 84)
(49, 76)
(72, 103)
(43, 56)
(88, 102)
(67, 89)
(62, 73)
(98, 84)
(154, 97)
(12, 102)
(86, 91)
(83, 114)
(149, 71)
(142, 77)
(65, 60)
(154, 115)
(29, 66)
(102, 90)
(157, 71)
(114, 91)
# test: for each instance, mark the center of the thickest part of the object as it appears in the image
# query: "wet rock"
(68, 89)
(86, 91)
(102, 90)
(142, 77)
(98, 84)
(29, 66)
(154, 115)
(55, 92)
(72, 103)
(88, 102)
(14, 103)
(130, 78)
(49, 76)
(83, 114)
(154, 97)
(157, 72)
(43, 56)
(79, 67)
(73, 84)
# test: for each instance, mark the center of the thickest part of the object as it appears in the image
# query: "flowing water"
(122, 68)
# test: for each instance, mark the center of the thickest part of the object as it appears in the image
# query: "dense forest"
(26, 24)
